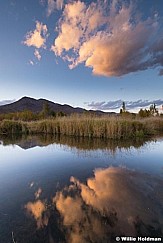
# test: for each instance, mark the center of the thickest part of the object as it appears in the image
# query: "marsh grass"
(87, 126)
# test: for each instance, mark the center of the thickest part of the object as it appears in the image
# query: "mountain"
(34, 105)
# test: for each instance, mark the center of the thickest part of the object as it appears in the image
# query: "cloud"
(53, 5)
(31, 62)
(110, 38)
(115, 201)
(38, 193)
(37, 38)
(117, 104)
(81, 224)
(36, 209)
(64, 205)
(37, 54)
(106, 206)
(69, 32)
(5, 102)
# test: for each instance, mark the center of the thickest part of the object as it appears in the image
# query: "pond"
(65, 189)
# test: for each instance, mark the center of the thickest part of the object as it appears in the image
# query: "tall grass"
(86, 126)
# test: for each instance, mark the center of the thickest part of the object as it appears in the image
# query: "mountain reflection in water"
(31, 141)
(115, 202)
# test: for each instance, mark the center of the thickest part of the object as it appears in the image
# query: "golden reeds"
(86, 126)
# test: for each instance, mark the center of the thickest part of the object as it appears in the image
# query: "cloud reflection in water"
(115, 202)
(37, 209)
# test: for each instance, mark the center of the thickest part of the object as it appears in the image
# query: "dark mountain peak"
(26, 98)
(36, 106)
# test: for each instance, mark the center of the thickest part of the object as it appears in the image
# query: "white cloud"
(31, 62)
(117, 104)
(37, 38)
(38, 193)
(108, 38)
(37, 54)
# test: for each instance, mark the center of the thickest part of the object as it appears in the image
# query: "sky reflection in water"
(114, 202)
(80, 190)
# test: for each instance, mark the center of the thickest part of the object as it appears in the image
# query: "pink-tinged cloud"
(111, 41)
(113, 202)
(36, 209)
(37, 38)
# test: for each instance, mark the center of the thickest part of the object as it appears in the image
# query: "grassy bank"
(84, 126)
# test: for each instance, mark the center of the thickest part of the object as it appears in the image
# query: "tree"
(45, 110)
(144, 113)
(123, 107)
(153, 110)
(61, 113)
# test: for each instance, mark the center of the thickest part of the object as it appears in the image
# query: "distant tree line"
(143, 113)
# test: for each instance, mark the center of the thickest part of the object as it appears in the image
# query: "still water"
(62, 189)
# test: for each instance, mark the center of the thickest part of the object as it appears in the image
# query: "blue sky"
(82, 53)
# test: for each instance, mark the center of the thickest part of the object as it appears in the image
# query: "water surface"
(64, 189)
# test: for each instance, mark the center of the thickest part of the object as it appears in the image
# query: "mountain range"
(36, 106)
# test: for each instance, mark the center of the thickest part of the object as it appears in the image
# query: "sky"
(90, 54)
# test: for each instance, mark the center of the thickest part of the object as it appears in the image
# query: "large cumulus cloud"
(111, 38)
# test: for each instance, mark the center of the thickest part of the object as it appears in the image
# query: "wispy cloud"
(37, 54)
(5, 102)
(31, 62)
(38, 193)
(53, 5)
(111, 38)
(117, 104)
